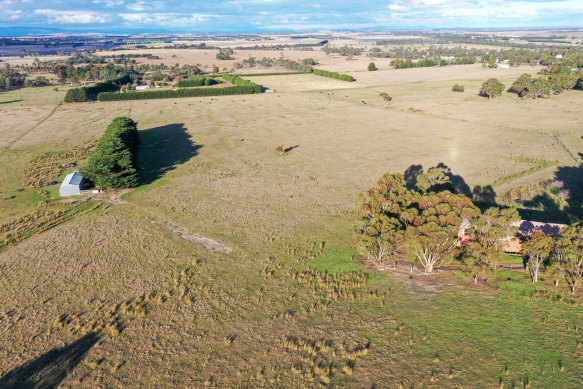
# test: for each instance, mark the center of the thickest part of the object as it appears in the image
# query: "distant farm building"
(503, 66)
(142, 87)
(72, 184)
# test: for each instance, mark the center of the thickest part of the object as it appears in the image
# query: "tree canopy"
(491, 88)
(113, 162)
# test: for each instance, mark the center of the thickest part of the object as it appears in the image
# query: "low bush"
(338, 76)
(457, 88)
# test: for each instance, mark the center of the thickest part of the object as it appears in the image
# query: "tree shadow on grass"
(572, 176)
(162, 149)
(51, 368)
(10, 101)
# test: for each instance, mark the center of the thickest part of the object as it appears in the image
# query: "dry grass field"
(290, 306)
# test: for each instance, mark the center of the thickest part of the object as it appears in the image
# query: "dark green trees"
(372, 67)
(113, 162)
(491, 88)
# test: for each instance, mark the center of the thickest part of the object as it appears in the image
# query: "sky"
(287, 15)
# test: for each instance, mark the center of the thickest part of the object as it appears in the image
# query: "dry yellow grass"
(186, 317)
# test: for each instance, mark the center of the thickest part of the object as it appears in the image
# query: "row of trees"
(338, 76)
(238, 81)
(113, 162)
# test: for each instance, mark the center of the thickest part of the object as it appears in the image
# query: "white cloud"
(165, 19)
(398, 7)
(10, 15)
(71, 17)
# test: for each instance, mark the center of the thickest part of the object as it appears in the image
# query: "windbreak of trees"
(238, 81)
(338, 76)
(424, 63)
(171, 94)
(88, 93)
(194, 81)
(113, 162)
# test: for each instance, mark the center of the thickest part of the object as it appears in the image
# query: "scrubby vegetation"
(113, 162)
(457, 88)
(338, 76)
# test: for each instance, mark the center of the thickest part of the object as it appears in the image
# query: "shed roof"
(74, 178)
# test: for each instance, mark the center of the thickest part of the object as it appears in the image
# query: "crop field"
(124, 292)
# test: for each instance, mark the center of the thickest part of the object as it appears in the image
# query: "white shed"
(72, 184)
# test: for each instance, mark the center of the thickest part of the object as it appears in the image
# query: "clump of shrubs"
(457, 88)
(385, 96)
(372, 67)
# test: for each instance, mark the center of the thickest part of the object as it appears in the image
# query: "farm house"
(72, 184)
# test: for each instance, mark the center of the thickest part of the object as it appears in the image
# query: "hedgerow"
(170, 94)
(338, 76)
(88, 93)
(238, 81)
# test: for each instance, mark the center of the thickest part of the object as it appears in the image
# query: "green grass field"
(284, 308)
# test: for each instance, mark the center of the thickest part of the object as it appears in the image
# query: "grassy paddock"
(289, 306)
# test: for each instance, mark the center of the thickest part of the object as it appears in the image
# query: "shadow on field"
(10, 101)
(162, 149)
(572, 176)
(51, 368)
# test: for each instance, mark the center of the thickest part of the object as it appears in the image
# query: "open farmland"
(289, 305)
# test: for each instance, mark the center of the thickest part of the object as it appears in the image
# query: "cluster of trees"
(88, 93)
(10, 78)
(171, 94)
(113, 162)
(224, 54)
(421, 221)
(491, 88)
(238, 81)
(338, 76)
(527, 86)
(561, 255)
(193, 81)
